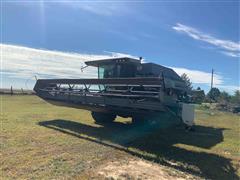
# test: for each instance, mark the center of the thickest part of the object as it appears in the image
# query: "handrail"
(106, 81)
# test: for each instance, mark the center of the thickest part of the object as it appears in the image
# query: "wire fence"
(13, 91)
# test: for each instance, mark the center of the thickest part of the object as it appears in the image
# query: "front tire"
(101, 117)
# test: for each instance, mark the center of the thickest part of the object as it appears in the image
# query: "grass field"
(42, 141)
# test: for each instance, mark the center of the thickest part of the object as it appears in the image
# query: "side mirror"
(83, 67)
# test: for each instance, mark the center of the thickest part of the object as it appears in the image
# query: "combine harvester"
(125, 87)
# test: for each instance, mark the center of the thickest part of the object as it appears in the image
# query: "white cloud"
(199, 77)
(204, 78)
(230, 48)
(118, 54)
(98, 8)
(23, 63)
(232, 54)
(228, 88)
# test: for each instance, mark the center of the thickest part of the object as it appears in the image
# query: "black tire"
(100, 117)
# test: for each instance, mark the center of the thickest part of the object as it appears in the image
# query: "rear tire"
(101, 117)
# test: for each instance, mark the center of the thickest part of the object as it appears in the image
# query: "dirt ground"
(135, 168)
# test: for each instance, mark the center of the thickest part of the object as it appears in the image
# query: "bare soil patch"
(135, 168)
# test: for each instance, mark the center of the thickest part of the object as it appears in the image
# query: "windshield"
(113, 71)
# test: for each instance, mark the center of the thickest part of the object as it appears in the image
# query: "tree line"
(214, 95)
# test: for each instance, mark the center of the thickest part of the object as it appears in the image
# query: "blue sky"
(191, 37)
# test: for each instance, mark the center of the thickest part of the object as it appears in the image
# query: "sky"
(53, 39)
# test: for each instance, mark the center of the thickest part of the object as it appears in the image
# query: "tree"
(214, 94)
(236, 97)
(224, 97)
(187, 80)
(198, 95)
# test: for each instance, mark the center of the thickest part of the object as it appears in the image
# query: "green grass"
(39, 140)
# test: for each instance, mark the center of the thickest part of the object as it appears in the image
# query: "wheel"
(103, 117)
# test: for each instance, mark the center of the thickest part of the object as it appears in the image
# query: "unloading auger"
(125, 87)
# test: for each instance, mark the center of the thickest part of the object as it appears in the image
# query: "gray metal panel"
(158, 70)
(94, 100)
(42, 83)
(147, 105)
(112, 61)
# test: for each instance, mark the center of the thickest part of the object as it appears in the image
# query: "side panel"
(188, 114)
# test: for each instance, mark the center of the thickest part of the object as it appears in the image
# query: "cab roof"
(113, 61)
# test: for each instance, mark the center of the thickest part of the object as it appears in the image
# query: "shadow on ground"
(154, 143)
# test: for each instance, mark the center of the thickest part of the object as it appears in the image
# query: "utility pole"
(212, 79)
(11, 91)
